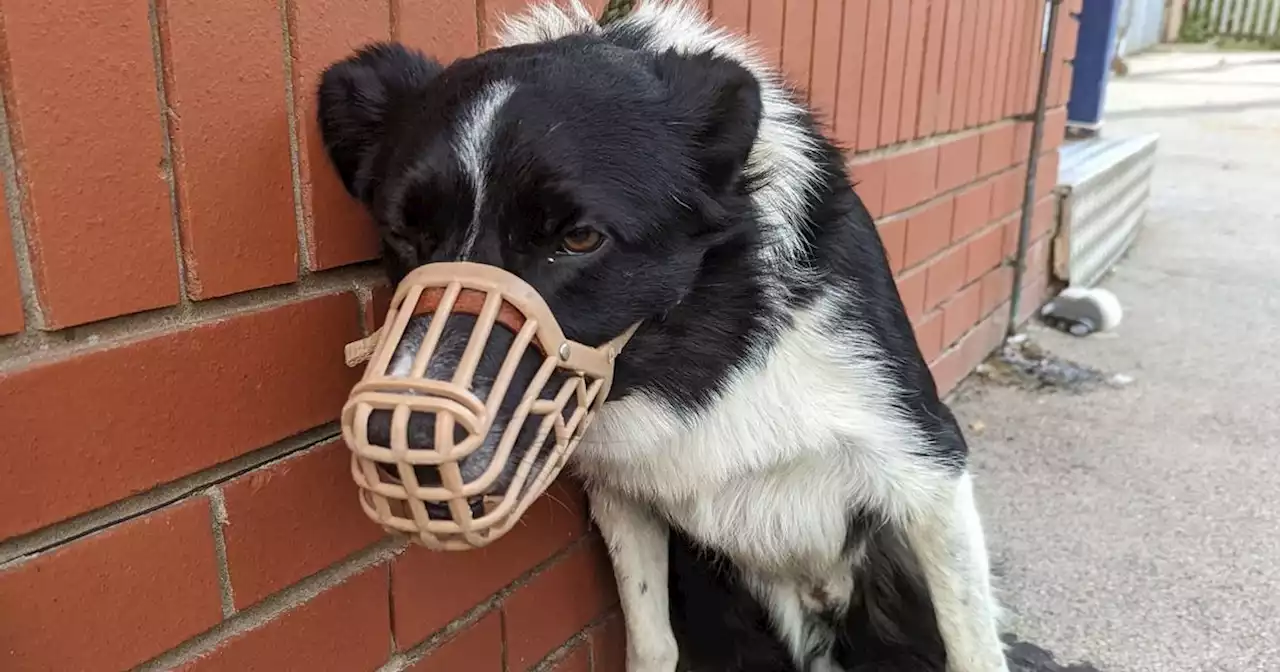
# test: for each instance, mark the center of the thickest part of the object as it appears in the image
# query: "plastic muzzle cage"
(390, 493)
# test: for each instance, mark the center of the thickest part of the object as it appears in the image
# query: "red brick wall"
(179, 269)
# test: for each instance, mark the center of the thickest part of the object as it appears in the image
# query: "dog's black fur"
(651, 149)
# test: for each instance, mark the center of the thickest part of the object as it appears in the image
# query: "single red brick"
(1065, 43)
(873, 74)
(1055, 83)
(948, 370)
(731, 14)
(990, 333)
(869, 184)
(824, 73)
(1033, 58)
(895, 65)
(1007, 190)
(853, 44)
(893, 233)
(945, 276)
(11, 319)
(949, 74)
(478, 648)
(1021, 141)
(1054, 131)
(153, 410)
(996, 287)
(89, 143)
(1044, 217)
(1023, 60)
(1010, 226)
(998, 39)
(1008, 29)
(911, 286)
(322, 32)
(444, 29)
(972, 212)
(561, 601)
(928, 232)
(911, 179)
(1018, 41)
(965, 70)
(928, 332)
(609, 645)
(1064, 85)
(1047, 174)
(798, 42)
(961, 313)
(984, 39)
(958, 162)
(113, 599)
(431, 589)
(932, 67)
(291, 519)
(996, 149)
(985, 252)
(1038, 257)
(346, 627)
(223, 78)
(765, 21)
(918, 26)
(576, 659)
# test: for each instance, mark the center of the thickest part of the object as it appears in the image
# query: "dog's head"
(600, 174)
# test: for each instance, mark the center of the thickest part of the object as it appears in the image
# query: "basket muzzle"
(449, 457)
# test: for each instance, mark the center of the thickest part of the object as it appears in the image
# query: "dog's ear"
(718, 100)
(355, 97)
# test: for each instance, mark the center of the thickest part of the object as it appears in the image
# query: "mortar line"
(424, 648)
(157, 16)
(29, 348)
(15, 196)
(274, 606)
(219, 520)
(561, 652)
(26, 546)
(502, 644)
(391, 618)
(295, 142)
(403, 660)
(936, 140)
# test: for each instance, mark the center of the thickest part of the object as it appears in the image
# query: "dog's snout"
(440, 510)
(442, 365)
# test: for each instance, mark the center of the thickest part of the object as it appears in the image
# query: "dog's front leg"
(637, 543)
(947, 539)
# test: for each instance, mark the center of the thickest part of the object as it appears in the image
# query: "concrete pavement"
(1138, 529)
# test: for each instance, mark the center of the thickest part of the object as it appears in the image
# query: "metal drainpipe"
(1033, 163)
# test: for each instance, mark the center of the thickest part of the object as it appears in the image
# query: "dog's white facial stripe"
(472, 147)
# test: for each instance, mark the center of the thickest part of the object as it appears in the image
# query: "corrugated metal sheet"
(1104, 185)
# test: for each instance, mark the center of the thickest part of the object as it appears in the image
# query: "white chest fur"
(769, 473)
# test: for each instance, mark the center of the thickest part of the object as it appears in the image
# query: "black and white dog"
(779, 485)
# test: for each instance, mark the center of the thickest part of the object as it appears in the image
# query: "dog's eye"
(581, 240)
